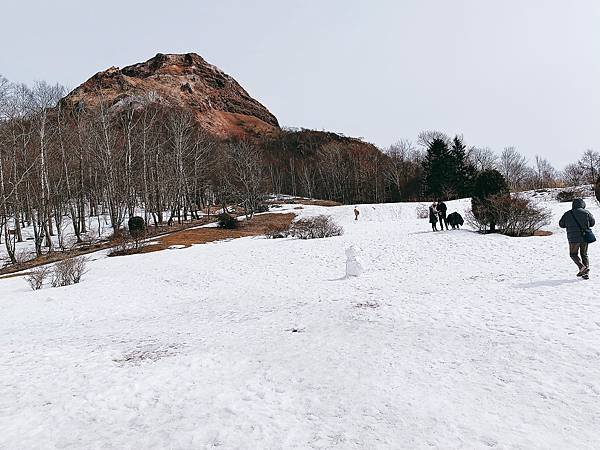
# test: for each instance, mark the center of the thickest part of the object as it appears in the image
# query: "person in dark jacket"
(455, 220)
(441, 210)
(433, 217)
(577, 245)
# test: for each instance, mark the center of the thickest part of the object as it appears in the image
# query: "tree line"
(449, 166)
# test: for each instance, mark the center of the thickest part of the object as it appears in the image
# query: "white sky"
(511, 72)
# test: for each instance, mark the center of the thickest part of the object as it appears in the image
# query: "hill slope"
(448, 340)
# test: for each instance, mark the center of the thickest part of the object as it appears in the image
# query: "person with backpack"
(441, 210)
(578, 222)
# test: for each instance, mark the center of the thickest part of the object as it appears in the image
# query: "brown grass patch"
(313, 202)
(86, 248)
(542, 233)
(257, 226)
(164, 239)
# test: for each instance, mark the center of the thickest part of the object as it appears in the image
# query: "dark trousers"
(579, 248)
(443, 221)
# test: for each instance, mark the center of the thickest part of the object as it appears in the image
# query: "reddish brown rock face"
(219, 103)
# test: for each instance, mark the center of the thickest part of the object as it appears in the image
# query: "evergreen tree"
(464, 173)
(438, 177)
(447, 173)
(487, 185)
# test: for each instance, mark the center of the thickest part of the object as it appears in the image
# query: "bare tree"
(426, 138)
(246, 175)
(573, 175)
(513, 166)
(404, 165)
(590, 163)
(545, 174)
(482, 158)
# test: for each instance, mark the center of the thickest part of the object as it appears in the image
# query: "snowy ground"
(448, 340)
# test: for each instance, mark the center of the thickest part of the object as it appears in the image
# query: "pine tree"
(487, 185)
(464, 173)
(447, 173)
(438, 176)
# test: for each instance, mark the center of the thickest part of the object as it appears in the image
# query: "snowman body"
(353, 266)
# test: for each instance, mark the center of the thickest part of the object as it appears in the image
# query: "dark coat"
(432, 215)
(441, 209)
(585, 218)
(455, 219)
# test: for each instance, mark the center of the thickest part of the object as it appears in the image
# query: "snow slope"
(448, 340)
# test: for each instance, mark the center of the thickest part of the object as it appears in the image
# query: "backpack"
(588, 234)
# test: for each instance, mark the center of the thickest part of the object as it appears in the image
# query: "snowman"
(353, 265)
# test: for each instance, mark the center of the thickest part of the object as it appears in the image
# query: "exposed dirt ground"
(182, 239)
(86, 248)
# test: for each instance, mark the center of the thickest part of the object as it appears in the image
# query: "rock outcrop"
(219, 103)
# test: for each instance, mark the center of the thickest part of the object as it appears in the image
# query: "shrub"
(422, 212)
(275, 231)
(597, 189)
(488, 184)
(565, 196)
(513, 216)
(68, 271)
(261, 208)
(121, 246)
(317, 227)
(137, 227)
(137, 230)
(227, 221)
(22, 256)
(37, 276)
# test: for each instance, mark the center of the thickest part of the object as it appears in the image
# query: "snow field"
(447, 340)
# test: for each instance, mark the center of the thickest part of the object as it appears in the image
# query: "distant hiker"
(433, 216)
(441, 210)
(356, 213)
(455, 220)
(578, 222)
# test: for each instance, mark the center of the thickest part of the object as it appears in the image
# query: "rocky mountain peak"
(186, 80)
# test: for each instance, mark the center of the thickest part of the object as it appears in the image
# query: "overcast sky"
(511, 72)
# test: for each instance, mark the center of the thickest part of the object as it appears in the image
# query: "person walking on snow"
(441, 210)
(577, 221)
(433, 216)
(356, 213)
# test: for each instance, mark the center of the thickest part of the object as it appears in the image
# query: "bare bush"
(23, 255)
(317, 227)
(512, 215)
(121, 246)
(68, 271)
(478, 223)
(569, 195)
(422, 212)
(277, 231)
(37, 276)
(566, 196)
